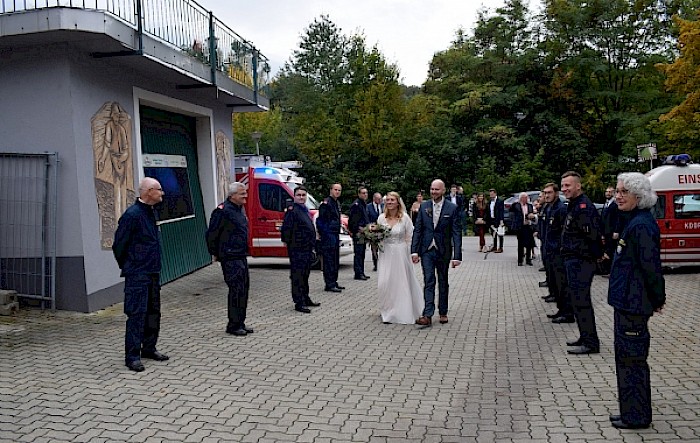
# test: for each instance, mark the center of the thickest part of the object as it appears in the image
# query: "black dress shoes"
(366, 277)
(339, 287)
(303, 309)
(332, 290)
(237, 332)
(136, 366)
(520, 264)
(155, 355)
(555, 315)
(576, 342)
(361, 277)
(550, 299)
(619, 424)
(542, 269)
(542, 284)
(615, 417)
(248, 330)
(563, 319)
(312, 304)
(583, 349)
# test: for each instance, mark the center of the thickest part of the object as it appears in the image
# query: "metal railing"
(183, 24)
(28, 205)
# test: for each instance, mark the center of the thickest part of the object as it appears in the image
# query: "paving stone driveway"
(497, 372)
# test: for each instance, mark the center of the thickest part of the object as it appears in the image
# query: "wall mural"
(223, 165)
(114, 170)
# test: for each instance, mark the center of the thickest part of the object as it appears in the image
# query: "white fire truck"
(677, 183)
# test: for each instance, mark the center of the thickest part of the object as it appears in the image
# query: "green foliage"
(510, 105)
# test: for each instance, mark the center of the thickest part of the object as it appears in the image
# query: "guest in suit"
(374, 210)
(357, 220)
(457, 198)
(437, 244)
(522, 219)
(299, 234)
(610, 218)
(494, 218)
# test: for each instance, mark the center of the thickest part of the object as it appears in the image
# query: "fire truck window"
(273, 197)
(659, 209)
(686, 205)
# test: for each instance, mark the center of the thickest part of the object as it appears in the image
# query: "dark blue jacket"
(498, 213)
(581, 237)
(637, 285)
(552, 226)
(227, 236)
(137, 241)
(297, 229)
(447, 234)
(372, 213)
(358, 217)
(517, 221)
(328, 223)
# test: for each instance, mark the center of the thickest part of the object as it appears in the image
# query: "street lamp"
(257, 135)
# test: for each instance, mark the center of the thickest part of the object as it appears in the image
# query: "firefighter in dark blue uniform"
(328, 224)
(299, 234)
(636, 290)
(137, 250)
(227, 242)
(581, 248)
(358, 219)
(552, 226)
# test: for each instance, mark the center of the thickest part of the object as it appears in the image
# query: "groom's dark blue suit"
(447, 235)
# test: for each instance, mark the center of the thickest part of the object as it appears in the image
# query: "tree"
(682, 123)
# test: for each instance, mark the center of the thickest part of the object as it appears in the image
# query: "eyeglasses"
(622, 192)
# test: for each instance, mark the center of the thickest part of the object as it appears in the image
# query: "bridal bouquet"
(374, 234)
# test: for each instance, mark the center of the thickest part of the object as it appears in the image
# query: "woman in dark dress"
(479, 208)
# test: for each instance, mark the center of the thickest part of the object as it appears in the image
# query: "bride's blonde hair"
(400, 210)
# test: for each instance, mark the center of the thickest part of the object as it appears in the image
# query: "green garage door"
(170, 136)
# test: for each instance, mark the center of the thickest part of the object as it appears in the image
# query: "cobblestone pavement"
(498, 371)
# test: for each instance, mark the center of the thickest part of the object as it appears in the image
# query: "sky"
(407, 32)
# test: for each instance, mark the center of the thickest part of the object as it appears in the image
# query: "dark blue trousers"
(142, 308)
(331, 263)
(632, 341)
(238, 282)
(299, 271)
(556, 282)
(431, 263)
(579, 276)
(359, 250)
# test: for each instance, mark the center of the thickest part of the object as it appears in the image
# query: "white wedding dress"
(400, 295)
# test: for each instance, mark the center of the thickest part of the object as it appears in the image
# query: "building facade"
(116, 98)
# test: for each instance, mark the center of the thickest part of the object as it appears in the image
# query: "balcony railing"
(183, 24)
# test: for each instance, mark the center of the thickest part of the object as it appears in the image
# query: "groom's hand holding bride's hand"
(415, 258)
(456, 263)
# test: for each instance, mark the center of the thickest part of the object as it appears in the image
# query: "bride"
(400, 296)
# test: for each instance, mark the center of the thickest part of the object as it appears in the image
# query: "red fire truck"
(270, 189)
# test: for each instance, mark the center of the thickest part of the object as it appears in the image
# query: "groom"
(437, 239)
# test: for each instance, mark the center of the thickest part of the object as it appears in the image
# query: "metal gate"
(28, 202)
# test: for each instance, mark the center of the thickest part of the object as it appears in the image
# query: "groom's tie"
(436, 214)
